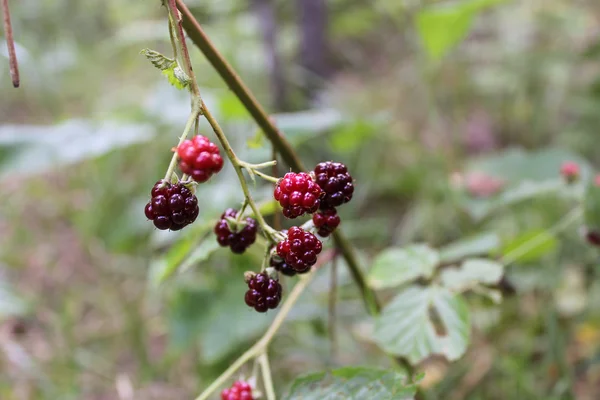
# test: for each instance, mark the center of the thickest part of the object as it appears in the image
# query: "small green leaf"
(482, 244)
(530, 246)
(396, 266)
(176, 77)
(200, 253)
(405, 326)
(471, 273)
(352, 383)
(443, 26)
(158, 60)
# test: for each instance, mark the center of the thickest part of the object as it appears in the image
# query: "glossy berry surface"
(570, 171)
(298, 194)
(336, 182)
(280, 265)
(263, 292)
(238, 241)
(199, 158)
(239, 391)
(326, 221)
(300, 249)
(172, 206)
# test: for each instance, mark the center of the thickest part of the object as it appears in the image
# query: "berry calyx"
(263, 292)
(199, 158)
(237, 240)
(172, 206)
(336, 182)
(326, 221)
(240, 390)
(280, 265)
(298, 194)
(570, 171)
(300, 249)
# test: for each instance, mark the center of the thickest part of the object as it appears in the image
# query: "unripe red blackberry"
(326, 221)
(263, 292)
(570, 171)
(199, 158)
(172, 206)
(300, 249)
(239, 240)
(240, 390)
(280, 265)
(298, 194)
(336, 182)
(593, 237)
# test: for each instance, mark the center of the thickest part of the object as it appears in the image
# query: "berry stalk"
(263, 360)
(196, 109)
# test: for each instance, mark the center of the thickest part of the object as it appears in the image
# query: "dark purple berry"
(238, 241)
(263, 292)
(336, 182)
(172, 206)
(300, 249)
(326, 221)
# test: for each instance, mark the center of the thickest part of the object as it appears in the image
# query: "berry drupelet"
(280, 265)
(172, 206)
(263, 292)
(326, 221)
(336, 182)
(298, 194)
(300, 249)
(239, 391)
(199, 158)
(238, 241)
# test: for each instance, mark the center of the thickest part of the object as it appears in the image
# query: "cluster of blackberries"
(300, 249)
(237, 240)
(240, 390)
(263, 292)
(199, 158)
(298, 194)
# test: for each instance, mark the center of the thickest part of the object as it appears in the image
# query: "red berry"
(300, 249)
(171, 206)
(280, 265)
(199, 158)
(597, 180)
(593, 237)
(570, 171)
(326, 222)
(239, 391)
(263, 292)
(240, 240)
(336, 182)
(298, 194)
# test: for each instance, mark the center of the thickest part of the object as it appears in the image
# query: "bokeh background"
(436, 113)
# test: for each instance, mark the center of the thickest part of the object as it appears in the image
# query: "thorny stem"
(10, 43)
(197, 100)
(237, 86)
(262, 344)
(263, 359)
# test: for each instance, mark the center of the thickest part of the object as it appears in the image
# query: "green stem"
(263, 359)
(188, 126)
(266, 177)
(262, 344)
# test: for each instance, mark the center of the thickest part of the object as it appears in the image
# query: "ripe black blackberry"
(298, 194)
(300, 249)
(238, 241)
(326, 221)
(172, 206)
(263, 292)
(240, 390)
(280, 265)
(336, 182)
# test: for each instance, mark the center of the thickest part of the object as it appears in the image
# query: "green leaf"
(443, 26)
(352, 383)
(396, 266)
(482, 244)
(471, 273)
(169, 67)
(200, 253)
(406, 328)
(530, 246)
(158, 60)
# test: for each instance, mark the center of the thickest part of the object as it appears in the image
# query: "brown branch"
(10, 43)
